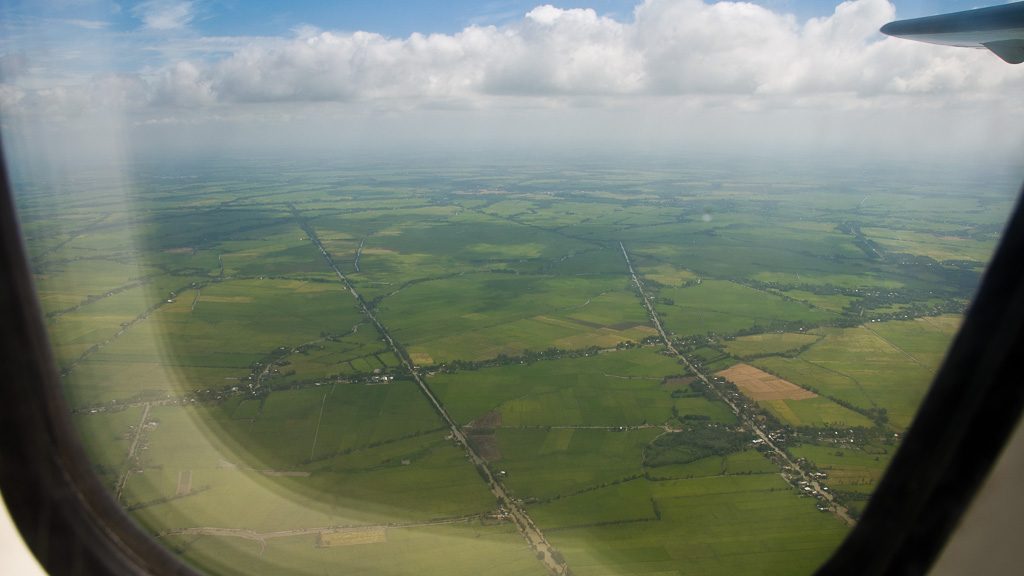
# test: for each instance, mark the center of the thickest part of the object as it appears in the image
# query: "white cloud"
(182, 85)
(671, 48)
(715, 68)
(554, 51)
(164, 14)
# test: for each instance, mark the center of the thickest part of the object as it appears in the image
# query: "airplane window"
(593, 288)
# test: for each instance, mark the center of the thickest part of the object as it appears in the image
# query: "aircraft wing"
(998, 28)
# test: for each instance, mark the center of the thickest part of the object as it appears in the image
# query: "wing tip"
(997, 28)
(1010, 51)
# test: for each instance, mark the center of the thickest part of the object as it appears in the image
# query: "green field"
(284, 431)
(933, 245)
(853, 471)
(458, 549)
(619, 388)
(817, 411)
(831, 302)
(480, 316)
(211, 337)
(872, 366)
(544, 464)
(720, 307)
(735, 525)
(768, 344)
(668, 275)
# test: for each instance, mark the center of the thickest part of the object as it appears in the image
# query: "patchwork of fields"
(253, 361)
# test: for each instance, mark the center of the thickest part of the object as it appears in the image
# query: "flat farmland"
(739, 246)
(760, 385)
(817, 411)
(868, 370)
(462, 549)
(113, 430)
(287, 251)
(726, 307)
(354, 353)
(434, 244)
(923, 341)
(667, 274)
(209, 338)
(768, 344)
(863, 281)
(479, 316)
(559, 462)
(621, 503)
(283, 431)
(713, 525)
(789, 403)
(830, 302)
(703, 407)
(853, 471)
(230, 488)
(619, 388)
(937, 245)
(66, 283)
(101, 317)
(742, 462)
(293, 427)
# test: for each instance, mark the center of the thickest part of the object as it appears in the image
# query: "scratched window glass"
(608, 287)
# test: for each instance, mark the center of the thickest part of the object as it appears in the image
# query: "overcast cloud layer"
(678, 55)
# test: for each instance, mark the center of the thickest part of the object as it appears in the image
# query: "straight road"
(130, 461)
(359, 253)
(262, 536)
(546, 552)
(840, 511)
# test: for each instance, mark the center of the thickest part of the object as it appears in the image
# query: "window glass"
(605, 287)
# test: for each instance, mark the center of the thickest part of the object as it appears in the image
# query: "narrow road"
(522, 520)
(840, 511)
(262, 536)
(41, 255)
(65, 370)
(94, 299)
(897, 348)
(613, 428)
(359, 253)
(316, 435)
(131, 452)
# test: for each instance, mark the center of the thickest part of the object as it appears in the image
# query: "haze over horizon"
(102, 80)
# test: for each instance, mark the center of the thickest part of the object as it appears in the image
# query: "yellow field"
(353, 537)
(668, 274)
(771, 343)
(420, 358)
(227, 299)
(759, 385)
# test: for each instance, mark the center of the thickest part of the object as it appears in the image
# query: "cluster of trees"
(622, 480)
(376, 444)
(693, 443)
(527, 357)
(695, 389)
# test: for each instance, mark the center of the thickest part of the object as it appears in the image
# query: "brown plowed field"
(486, 445)
(491, 419)
(757, 384)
